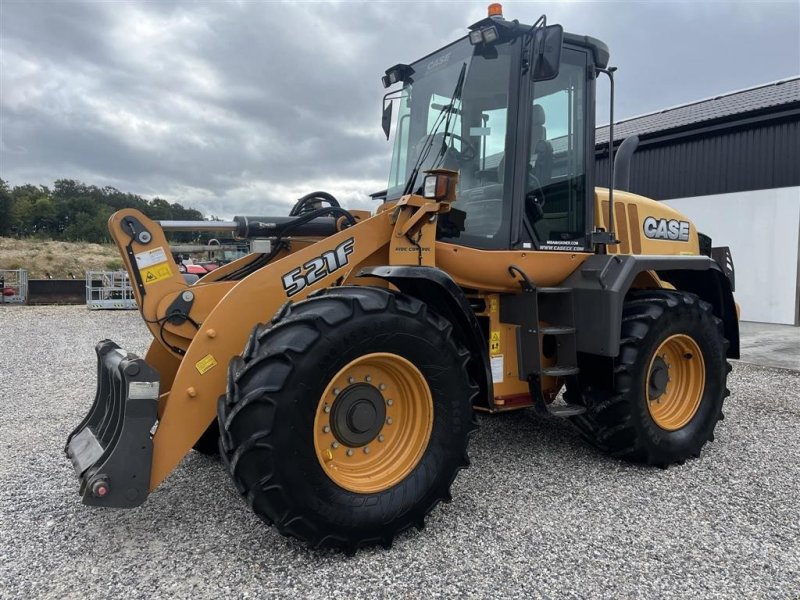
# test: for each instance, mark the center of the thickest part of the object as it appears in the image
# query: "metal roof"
(725, 106)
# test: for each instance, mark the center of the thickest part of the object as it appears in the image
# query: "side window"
(556, 200)
(399, 167)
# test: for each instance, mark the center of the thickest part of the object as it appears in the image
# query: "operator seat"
(541, 150)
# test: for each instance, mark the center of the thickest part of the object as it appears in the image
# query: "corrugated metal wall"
(760, 156)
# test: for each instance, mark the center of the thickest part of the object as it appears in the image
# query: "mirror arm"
(529, 45)
(610, 222)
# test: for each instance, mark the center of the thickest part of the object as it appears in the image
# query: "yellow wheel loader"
(338, 370)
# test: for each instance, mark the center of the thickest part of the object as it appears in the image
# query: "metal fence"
(109, 290)
(13, 286)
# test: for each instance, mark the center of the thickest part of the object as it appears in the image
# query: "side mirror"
(546, 55)
(386, 119)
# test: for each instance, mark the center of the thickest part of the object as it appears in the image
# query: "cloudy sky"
(241, 107)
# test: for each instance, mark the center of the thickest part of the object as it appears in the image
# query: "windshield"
(475, 138)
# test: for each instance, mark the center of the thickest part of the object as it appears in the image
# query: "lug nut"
(336, 391)
(388, 420)
(368, 378)
(389, 402)
(349, 452)
(335, 445)
(382, 387)
(351, 380)
(327, 408)
(326, 429)
(380, 438)
(366, 449)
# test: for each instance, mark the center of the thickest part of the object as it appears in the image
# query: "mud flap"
(112, 448)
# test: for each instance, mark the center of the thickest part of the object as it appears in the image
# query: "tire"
(273, 418)
(629, 421)
(208, 443)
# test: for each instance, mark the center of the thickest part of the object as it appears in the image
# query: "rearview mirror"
(547, 52)
(386, 119)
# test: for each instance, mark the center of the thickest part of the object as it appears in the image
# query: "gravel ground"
(539, 514)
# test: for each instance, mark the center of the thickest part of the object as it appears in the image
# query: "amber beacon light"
(495, 9)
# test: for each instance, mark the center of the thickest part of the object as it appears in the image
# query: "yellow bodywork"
(192, 358)
(630, 213)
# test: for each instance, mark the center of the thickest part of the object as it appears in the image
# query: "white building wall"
(762, 229)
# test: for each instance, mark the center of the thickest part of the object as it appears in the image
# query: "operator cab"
(475, 105)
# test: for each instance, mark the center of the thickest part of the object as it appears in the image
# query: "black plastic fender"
(437, 289)
(601, 283)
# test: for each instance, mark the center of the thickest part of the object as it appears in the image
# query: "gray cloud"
(242, 107)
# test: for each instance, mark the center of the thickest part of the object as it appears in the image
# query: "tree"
(75, 211)
(5, 208)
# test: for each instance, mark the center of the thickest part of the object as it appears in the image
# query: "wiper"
(444, 116)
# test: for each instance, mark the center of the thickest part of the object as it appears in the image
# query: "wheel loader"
(337, 371)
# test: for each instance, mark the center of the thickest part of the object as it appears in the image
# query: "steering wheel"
(467, 153)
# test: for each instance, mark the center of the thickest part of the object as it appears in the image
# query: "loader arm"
(148, 413)
(225, 313)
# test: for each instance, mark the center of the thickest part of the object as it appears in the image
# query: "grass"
(59, 259)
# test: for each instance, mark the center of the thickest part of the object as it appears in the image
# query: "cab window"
(555, 203)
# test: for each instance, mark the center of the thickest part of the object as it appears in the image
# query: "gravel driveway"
(539, 514)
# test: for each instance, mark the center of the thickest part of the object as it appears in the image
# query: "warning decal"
(494, 343)
(496, 363)
(205, 364)
(155, 273)
(150, 257)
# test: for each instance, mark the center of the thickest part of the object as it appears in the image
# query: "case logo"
(663, 229)
(317, 268)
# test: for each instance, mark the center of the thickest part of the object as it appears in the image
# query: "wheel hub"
(373, 422)
(659, 377)
(675, 382)
(357, 415)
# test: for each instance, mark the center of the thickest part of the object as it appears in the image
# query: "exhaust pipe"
(622, 163)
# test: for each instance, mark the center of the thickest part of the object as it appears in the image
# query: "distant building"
(732, 164)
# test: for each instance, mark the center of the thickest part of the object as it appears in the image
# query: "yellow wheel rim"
(675, 382)
(373, 423)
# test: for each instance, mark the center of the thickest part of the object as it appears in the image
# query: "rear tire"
(668, 381)
(286, 421)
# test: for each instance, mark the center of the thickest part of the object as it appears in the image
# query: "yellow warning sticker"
(492, 304)
(155, 273)
(205, 364)
(494, 343)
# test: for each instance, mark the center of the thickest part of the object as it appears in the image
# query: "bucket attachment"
(112, 448)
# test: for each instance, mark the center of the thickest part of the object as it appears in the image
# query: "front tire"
(668, 383)
(346, 420)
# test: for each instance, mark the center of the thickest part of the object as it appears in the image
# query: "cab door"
(553, 182)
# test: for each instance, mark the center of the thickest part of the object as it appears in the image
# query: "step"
(554, 290)
(566, 410)
(560, 371)
(556, 330)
